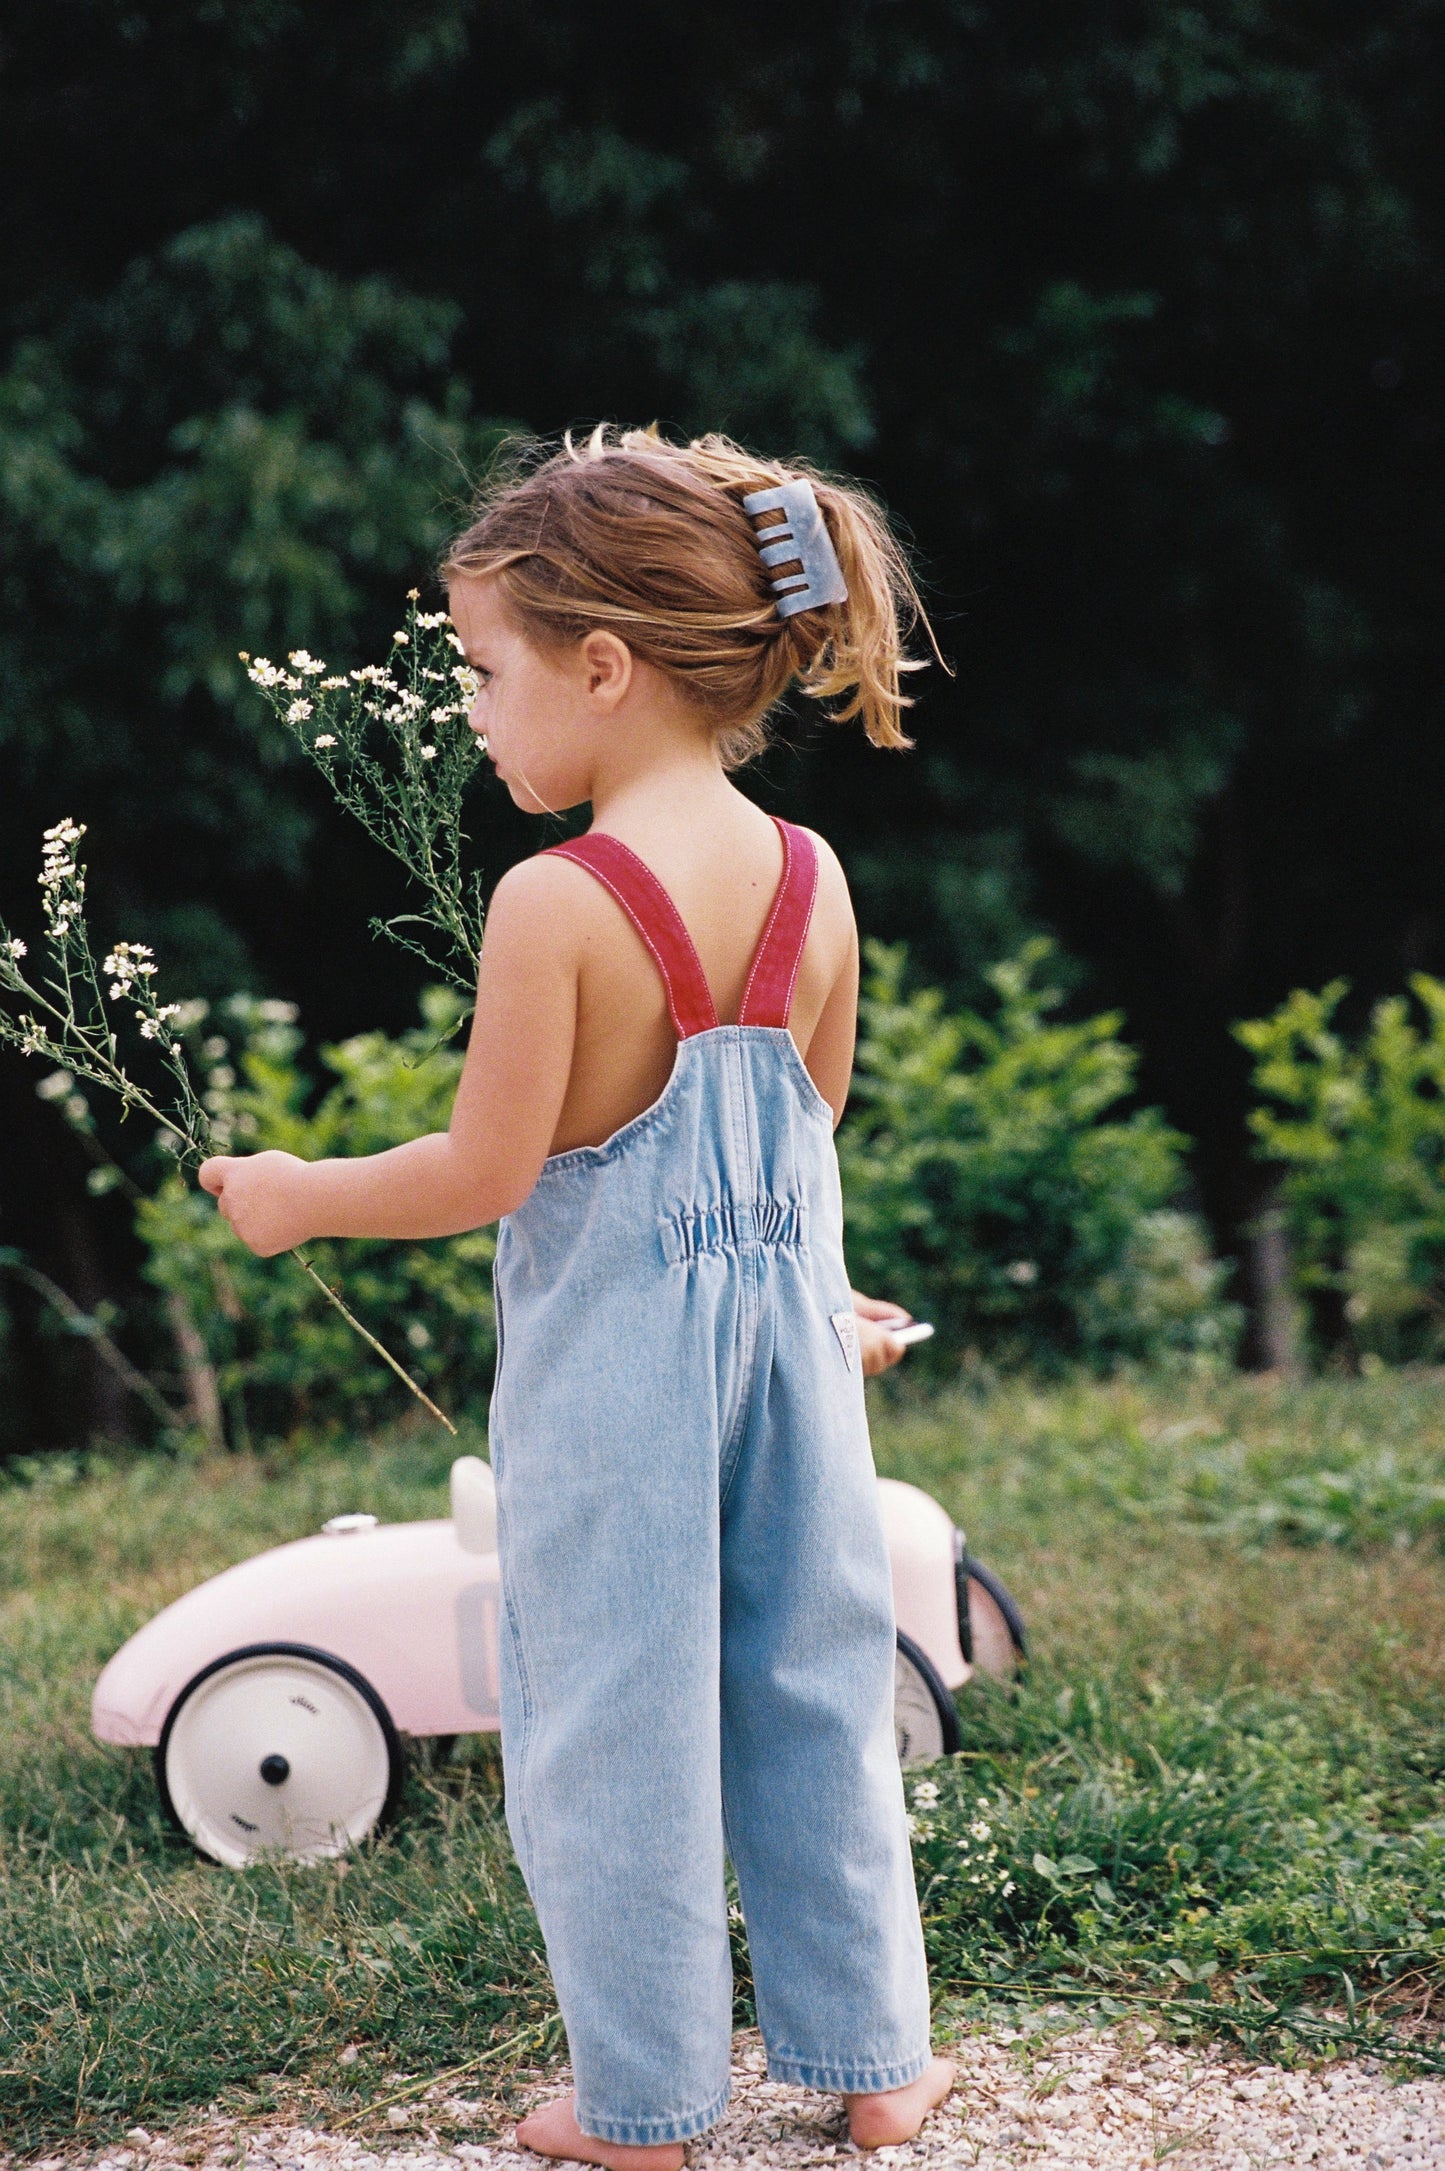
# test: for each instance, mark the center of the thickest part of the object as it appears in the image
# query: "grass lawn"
(1220, 1796)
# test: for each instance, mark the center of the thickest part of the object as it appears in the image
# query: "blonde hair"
(649, 539)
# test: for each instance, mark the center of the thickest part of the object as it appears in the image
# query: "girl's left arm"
(507, 1105)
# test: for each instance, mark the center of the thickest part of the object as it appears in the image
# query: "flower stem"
(372, 1343)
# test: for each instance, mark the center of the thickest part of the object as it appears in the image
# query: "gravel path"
(1117, 2100)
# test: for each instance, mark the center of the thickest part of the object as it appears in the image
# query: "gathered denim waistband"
(734, 1225)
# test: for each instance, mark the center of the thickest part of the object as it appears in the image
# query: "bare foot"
(883, 2121)
(552, 2130)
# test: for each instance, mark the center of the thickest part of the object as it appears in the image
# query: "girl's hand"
(262, 1197)
(878, 1350)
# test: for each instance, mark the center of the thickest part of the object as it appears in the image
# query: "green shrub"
(1358, 1128)
(990, 1188)
(282, 1355)
(987, 1188)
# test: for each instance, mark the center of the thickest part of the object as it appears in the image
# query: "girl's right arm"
(503, 1120)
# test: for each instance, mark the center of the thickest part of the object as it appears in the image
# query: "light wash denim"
(697, 1629)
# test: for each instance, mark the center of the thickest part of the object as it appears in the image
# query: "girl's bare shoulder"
(833, 907)
(543, 904)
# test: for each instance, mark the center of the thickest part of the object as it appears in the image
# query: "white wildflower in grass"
(971, 1856)
(298, 712)
(978, 1857)
(429, 753)
(65, 1021)
(323, 739)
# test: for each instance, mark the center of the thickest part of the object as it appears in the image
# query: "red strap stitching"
(783, 939)
(657, 920)
(803, 930)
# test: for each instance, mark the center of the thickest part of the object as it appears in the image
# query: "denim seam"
(813, 1101)
(650, 2132)
(528, 1707)
(730, 1455)
(577, 1158)
(842, 2078)
(500, 1327)
(611, 1149)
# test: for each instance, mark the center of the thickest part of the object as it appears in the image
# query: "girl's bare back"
(723, 887)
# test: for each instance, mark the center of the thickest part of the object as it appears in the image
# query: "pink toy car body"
(276, 1694)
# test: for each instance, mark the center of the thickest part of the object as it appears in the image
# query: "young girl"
(697, 1633)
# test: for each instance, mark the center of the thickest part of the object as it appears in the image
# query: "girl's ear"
(607, 668)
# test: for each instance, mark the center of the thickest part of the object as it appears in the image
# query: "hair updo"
(650, 540)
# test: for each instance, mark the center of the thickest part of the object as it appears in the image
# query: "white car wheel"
(278, 1750)
(925, 1724)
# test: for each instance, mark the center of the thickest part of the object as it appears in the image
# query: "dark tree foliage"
(1132, 312)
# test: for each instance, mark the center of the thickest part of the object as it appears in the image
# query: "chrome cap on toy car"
(801, 538)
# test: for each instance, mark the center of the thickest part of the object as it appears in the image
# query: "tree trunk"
(1274, 1312)
(203, 1392)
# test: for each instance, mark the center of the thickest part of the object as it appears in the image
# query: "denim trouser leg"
(812, 1791)
(610, 1628)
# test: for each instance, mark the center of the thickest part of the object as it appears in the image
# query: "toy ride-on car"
(278, 1694)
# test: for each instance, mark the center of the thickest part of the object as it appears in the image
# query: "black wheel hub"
(274, 1770)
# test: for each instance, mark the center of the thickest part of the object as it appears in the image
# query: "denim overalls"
(697, 1637)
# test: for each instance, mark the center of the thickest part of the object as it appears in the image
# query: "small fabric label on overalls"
(845, 1326)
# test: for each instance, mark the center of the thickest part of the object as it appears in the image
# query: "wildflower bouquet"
(393, 743)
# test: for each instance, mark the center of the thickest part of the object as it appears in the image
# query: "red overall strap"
(656, 918)
(768, 996)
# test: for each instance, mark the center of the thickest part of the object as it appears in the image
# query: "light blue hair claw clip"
(801, 535)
